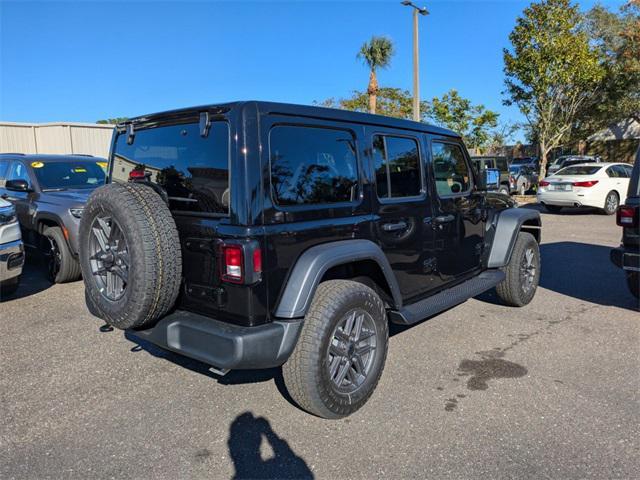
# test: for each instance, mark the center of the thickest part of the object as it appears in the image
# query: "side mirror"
(489, 179)
(17, 185)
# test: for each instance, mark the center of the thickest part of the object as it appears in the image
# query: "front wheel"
(522, 272)
(611, 203)
(62, 266)
(341, 352)
(633, 282)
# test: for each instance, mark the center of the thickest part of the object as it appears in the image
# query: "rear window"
(193, 170)
(312, 165)
(397, 165)
(68, 175)
(581, 170)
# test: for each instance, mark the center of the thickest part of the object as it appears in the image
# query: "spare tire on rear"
(130, 255)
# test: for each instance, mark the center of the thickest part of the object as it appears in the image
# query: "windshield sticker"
(102, 165)
(79, 170)
(37, 164)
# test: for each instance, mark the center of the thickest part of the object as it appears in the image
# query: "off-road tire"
(69, 267)
(306, 373)
(610, 210)
(155, 258)
(8, 288)
(633, 282)
(511, 290)
(553, 208)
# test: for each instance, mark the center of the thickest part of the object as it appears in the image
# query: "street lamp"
(416, 76)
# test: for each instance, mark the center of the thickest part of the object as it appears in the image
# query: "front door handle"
(394, 227)
(439, 220)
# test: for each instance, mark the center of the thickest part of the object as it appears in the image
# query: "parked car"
(11, 250)
(253, 235)
(49, 192)
(627, 256)
(568, 160)
(600, 185)
(499, 163)
(522, 178)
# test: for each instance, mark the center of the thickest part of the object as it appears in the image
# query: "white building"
(57, 137)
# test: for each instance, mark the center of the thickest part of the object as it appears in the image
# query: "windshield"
(579, 170)
(514, 169)
(68, 175)
(193, 170)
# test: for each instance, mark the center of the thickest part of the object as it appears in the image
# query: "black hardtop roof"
(49, 158)
(298, 110)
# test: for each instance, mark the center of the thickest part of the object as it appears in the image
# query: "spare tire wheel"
(130, 255)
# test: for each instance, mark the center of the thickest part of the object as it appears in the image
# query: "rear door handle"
(439, 220)
(394, 227)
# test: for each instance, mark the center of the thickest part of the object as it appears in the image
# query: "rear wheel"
(522, 272)
(504, 190)
(62, 266)
(633, 282)
(553, 208)
(611, 203)
(341, 351)
(130, 255)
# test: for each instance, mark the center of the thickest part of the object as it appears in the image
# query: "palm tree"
(375, 53)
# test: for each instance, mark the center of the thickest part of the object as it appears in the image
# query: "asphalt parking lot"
(551, 390)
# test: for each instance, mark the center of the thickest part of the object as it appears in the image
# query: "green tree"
(616, 36)
(112, 121)
(376, 54)
(473, 122)
(551, 71)
(392, 102)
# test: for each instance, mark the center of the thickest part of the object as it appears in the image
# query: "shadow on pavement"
(34, 277)
(246, 434)
(584, 271)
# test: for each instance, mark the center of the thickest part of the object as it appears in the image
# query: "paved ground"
(551, 390)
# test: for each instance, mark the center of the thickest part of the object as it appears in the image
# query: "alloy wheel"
(612, 202)
(54, 259)
(352, 350)
(109, 258)
(528, 270)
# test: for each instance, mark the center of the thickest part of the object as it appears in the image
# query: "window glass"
(18, 172)
(628, 170)
(451, 172)
(501, 164)
(612, 172)
(622, 171)
(397, 166)
(312, 165)
(579, 170)
(68, 175)
(4, 166)
(192, 170)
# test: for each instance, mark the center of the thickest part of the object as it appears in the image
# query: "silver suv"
(11, 250)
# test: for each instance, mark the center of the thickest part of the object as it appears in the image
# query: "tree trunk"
(372, 91)
(543, 161)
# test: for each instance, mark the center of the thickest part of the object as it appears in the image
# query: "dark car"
(568, 160)
(522, 178)
(627, 256)
(49, 192)
(498, 163)
(256, 235)
(532, 162)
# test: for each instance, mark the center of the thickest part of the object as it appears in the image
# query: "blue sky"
(83, 61)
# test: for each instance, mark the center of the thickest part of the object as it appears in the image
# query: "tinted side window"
(312, 165)
(451, 171)
(501, 164)
(397, 166)
(4, 166)
(612, 172)
(622, 171)
(18, 171)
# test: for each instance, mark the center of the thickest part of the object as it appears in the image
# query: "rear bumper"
(11, 260)
(626, 259)
(224, 345)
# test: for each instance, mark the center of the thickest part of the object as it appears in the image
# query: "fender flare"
(314, 263)
(507, 225)
(52, 217)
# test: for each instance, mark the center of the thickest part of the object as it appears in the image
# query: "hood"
(4, 203)
(71, 196)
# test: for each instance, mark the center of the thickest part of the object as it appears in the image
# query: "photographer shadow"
(246, 434)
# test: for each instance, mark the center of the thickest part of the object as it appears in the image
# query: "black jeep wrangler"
(252, 235)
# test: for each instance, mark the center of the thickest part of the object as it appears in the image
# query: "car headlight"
(76, 212)
(7, 215)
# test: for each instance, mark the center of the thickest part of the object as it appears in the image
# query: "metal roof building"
(56, 137)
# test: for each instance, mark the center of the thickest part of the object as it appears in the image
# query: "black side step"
(447, 298)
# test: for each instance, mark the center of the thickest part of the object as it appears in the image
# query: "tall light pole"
(416, 68)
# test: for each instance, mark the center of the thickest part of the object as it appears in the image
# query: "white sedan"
(600, 185)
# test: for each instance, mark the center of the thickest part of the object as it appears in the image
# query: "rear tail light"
(544, 183)
(588, 183)
(627, 216)
(241, 262)
(232, 268)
